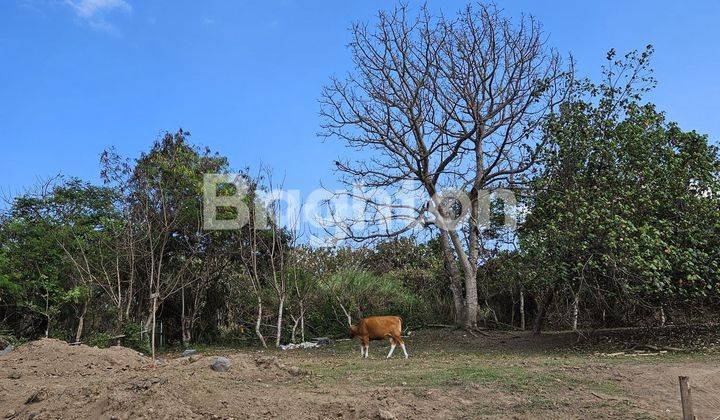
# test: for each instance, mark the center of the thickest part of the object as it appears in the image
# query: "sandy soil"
(449, 375)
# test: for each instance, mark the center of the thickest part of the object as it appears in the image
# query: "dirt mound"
(51, 379)
(50, 357)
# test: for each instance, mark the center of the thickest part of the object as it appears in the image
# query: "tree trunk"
(148, 322)
(455, 284)
(47, 313)
(576, 311)
(471, 300)
(663, 319)
(458, 303)
(470, 277)
(492, 311)
(152, 338)
(187, 333)
(81, 323)
(281, 306)
(522, 309)
(183, 318)
(128, 296)
(120, 320)
(296, 322)
(129, 292)
(512, 309)
(302, 324)
(258, 322)
(542, 311)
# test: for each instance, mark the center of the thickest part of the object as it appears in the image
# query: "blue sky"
(77, 76)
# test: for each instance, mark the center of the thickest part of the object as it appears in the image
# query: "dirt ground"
(450, 374)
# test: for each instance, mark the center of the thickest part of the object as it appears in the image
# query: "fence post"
(686, 398)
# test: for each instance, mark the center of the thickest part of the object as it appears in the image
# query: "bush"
(132, 338)
(101, 340)
(9, 338)
(363, 294)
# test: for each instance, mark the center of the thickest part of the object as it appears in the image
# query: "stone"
(386, 415)
(266, 361)
(7, 350)
(321, 341)
(220, 364)
(189, 360)
(37, 396)
(189, 352)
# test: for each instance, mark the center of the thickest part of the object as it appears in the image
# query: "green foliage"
(362, 293)
(101, 340)
(37, 278)
(132, 339)
(626, 205)
(8, 337)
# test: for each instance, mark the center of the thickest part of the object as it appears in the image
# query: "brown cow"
(378, 328)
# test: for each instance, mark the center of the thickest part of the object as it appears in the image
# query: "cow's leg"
(366, 345)
(402, 346)
(362, 349)
(392, 347)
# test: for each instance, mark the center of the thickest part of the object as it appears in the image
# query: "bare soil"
(450, 374)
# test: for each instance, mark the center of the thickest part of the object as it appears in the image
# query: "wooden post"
(686, 398)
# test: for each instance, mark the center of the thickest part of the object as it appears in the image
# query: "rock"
(189, 360)
(189, 352)
(220, 364)
(266, 361)
(385, 415)
(6, 350)
(321, 341)
(36, 396)
(295, 371)
(14, 375)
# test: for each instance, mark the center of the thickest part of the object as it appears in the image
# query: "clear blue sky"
(244, 77)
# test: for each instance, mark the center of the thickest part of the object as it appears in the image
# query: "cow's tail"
(402, 323)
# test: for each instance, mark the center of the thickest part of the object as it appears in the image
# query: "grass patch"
(459, 372)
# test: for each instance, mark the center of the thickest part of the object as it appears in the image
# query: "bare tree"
(154, 227)
(437, 104)
(253, 272)
(253, 256)
(204, 271)
(94, 270)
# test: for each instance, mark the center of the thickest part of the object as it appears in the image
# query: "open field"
(449, 374)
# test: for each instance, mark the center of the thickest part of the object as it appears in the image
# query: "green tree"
(625, 209)
(38, 273)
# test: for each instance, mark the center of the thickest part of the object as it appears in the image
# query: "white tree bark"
(522, 309)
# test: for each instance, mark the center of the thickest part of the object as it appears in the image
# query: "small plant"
(101, 340)
(9, 338)
(133, 340)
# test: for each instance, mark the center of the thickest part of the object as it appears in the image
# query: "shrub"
(101, 340)
(362, 294)
(133, 340)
